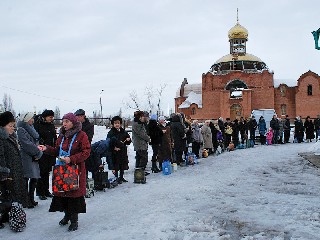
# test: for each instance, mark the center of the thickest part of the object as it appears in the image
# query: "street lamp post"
(101, 105)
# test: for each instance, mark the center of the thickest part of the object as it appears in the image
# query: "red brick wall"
(308, 105)
(288, 99)
(261, 94)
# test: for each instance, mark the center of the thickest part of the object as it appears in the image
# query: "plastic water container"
(166, 168)
(174, 167)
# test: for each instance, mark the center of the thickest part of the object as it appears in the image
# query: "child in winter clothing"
(119, 154)
(269, 136)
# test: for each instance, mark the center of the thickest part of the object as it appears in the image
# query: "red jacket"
(79, 153)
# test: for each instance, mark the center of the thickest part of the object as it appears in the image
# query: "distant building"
(239, 82)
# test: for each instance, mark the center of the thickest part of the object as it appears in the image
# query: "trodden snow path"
(266, 192)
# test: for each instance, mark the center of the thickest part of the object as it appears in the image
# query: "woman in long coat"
(10, 158)
(120, 153)
(30, 154)
(72, 202)
(207, 136)
(309, 128)
(165, 151)
(179, 138)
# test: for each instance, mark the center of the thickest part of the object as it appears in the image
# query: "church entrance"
(235, 112)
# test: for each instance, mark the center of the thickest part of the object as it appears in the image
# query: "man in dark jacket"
(87, 127)
(275, 125)
(252, 126)
(317, 126)
(286, 129)
(47, 136)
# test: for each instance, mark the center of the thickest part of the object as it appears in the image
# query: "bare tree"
(7, 103)
(57, 114)
(152, 101)
(160, 91)
(133, 102)
(149, 94)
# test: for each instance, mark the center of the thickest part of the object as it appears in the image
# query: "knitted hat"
(116, 118)
(47, 113)
(153, 117)
(27, 116)
(71, 117)
(5, 118)
(80, 112)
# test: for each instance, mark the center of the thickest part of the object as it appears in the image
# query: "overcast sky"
(64, 52)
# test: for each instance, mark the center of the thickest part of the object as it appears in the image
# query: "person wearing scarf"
(10, 158)
(30, 154)
(72, 202)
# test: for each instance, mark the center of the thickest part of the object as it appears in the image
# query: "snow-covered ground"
(266, 192)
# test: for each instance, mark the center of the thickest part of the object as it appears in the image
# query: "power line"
(38, 95)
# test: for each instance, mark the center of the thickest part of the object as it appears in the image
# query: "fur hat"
(116, 118)
(138, 114)
(71, 117)
(5, 118)
(80, 112)
(47, 113)
(27, 116)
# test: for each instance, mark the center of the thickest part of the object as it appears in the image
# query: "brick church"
(240, 82)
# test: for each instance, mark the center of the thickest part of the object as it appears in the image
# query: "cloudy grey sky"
(64, 52)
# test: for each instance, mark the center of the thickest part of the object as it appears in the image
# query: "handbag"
(65, 177)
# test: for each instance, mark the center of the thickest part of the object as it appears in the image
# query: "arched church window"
(282, 91)
(283, 109)
(193, 111)
(309, 90)
(235, 87)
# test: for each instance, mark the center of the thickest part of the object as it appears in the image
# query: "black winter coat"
(10, 158)
(47, 136)
(154, 132)
(88, 128)
(178, 134)
(275, 124)
(120, 158)
(309, 127)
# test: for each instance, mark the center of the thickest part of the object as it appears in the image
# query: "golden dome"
(246, 57)
(238, 31)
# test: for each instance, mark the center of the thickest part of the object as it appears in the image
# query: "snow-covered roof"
(192, 98)
(197, 88)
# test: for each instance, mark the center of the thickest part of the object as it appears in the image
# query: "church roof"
(238, 31)
(246, 57)
(197, 88)
(192, 98)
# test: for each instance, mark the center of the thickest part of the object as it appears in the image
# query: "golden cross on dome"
(237, 15)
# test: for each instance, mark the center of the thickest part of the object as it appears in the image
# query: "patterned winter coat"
(28, 140)
(80, 151)
(10, 158)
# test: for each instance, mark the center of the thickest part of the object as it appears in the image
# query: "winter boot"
(74, 222)
(65, 219)
(32, 188)
(154, 167)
